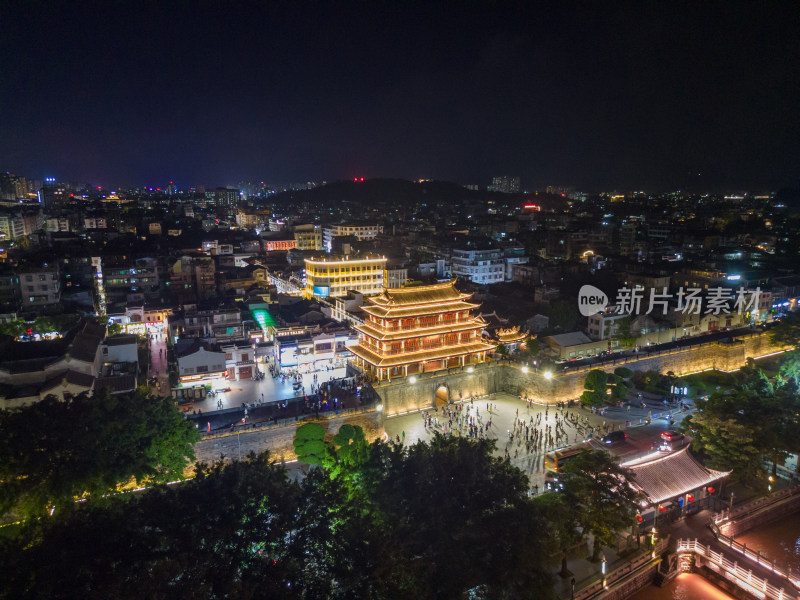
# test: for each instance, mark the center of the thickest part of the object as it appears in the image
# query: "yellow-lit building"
(419, 329)
(335, 276)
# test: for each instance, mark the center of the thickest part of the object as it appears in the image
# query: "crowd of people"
(530, 435)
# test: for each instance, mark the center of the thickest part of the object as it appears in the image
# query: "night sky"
(660, 96)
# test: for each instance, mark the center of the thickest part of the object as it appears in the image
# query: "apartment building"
(360, 231)
(334, 276)
(482, 266)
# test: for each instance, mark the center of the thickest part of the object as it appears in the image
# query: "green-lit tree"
(310, 446)
(789, 371)
(352, 450)
(736, 429)
(54, 451)
(595, 387)
(787, 331)
(14, 327)
(620, 383)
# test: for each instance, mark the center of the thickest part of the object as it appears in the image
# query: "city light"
(548, 375)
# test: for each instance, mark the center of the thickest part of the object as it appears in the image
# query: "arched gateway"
(442, 397)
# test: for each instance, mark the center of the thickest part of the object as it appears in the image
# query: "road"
(158, 363)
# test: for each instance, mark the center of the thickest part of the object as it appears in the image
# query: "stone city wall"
(402, 396)
(278, 438)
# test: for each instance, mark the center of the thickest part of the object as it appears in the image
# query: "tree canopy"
(593, 497)
(54, 451)
(787, 331)
(595, 388)
(737, 428)
(440, 520)
(598, 487)
(219, 535)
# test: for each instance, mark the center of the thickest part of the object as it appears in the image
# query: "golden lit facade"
(512, 338)
(335, 277)
(419, 329)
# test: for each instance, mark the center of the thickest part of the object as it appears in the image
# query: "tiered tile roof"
(669, 476)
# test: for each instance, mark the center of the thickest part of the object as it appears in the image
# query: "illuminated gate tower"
(417, 330)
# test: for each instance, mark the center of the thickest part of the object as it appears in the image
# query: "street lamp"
(603, 567)
(525, 369)
(653, 539)
(412, 379)
(548, 375)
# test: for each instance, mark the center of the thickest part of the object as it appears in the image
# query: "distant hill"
(389, 194)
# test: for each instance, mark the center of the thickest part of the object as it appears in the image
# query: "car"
(672, 435)
(614, 437)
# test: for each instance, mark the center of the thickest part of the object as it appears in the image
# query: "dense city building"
(336, 276)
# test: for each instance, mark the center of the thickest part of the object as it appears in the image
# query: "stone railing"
(594, 585)
(734, 572)
(754, 555)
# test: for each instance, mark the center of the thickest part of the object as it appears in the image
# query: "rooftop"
(669, 476)
(574, 338)
(420, 294)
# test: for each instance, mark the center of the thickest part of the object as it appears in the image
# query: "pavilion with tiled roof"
(419, 329)
(667, 477)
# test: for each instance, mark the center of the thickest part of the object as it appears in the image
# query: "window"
(202, 369)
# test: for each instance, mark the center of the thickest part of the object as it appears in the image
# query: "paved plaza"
(267, 390)
(506, 409)
(248, 391)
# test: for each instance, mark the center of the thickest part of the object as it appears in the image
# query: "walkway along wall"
(760, 512)
(278, 438)
(401, 395)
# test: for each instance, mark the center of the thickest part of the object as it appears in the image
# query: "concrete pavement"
(506, 408)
